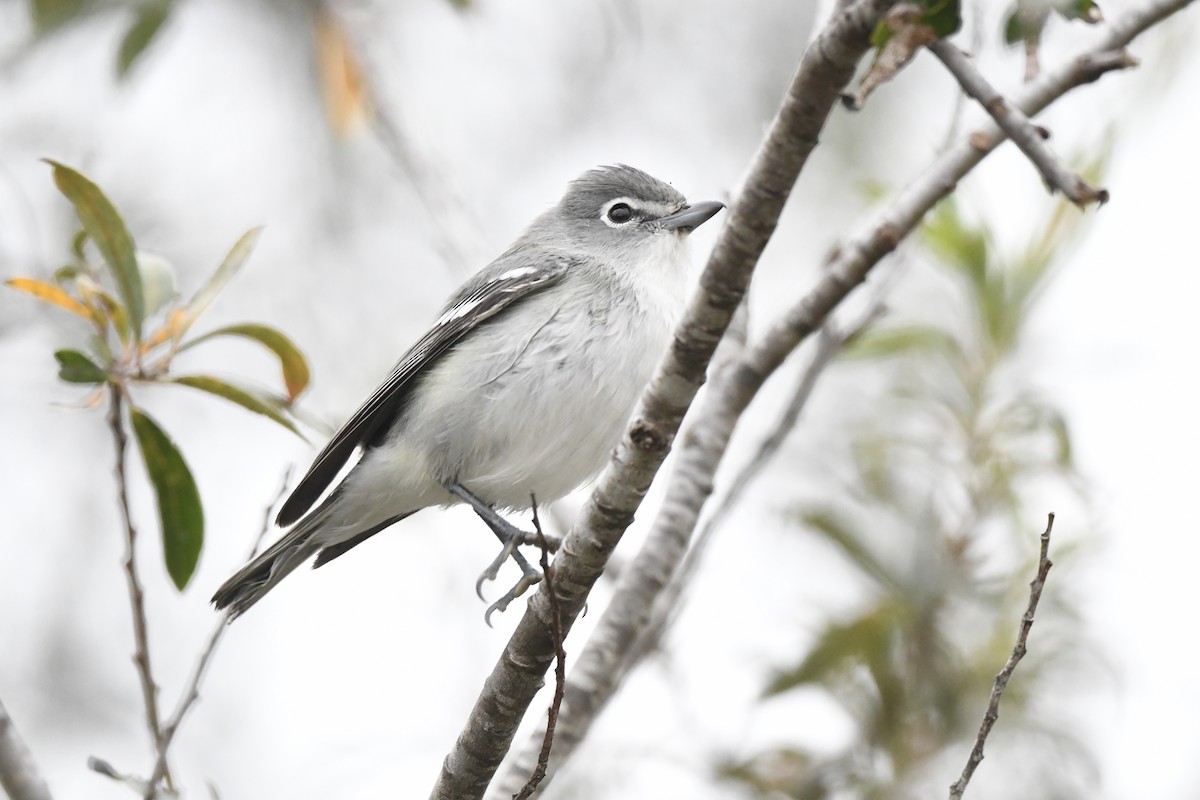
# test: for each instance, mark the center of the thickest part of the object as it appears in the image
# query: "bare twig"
(825, 69)
(1025, 135)
(191, 692)
(19, 774)
(628, 622)
(137, 600)
(1018, 652)
(560, 669)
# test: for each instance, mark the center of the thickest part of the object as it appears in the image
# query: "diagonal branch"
(1025, 135)
(1018, 652)
(19, 775)
(825, 69)
(616, 638)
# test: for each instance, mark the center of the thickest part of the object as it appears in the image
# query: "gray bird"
(520, 389)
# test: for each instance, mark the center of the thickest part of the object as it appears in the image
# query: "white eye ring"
(619, 212)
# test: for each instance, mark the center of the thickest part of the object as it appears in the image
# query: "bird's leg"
(510, 536)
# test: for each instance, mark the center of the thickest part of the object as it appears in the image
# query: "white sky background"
(354, 681)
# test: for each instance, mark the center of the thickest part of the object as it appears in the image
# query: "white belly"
(510, 416)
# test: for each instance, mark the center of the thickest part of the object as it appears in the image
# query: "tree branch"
(19, 774)
(137, 600)
(1018, 652)
(1025, 135)
(622, 629)
(825, 69)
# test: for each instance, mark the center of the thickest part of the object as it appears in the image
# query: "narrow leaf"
(248, 399)
(75, 367)
(107, 308)
(180, 512)
(876, 343)
(291, 360)
(52, 294)
(48, 15)
(143, 30)
(105, 227)
(224, 274)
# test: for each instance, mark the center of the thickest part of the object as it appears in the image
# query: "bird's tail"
(251, 582)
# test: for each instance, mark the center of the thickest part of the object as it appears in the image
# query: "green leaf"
(75, 367)
(840, 646)
(959, 245)
(295, 368)
(179, 510)
(224, 274)
(248, 399)
(837, 531)
(105, 227)
(150, 19)
(877, 343)
(944, 16)
(50, 14)
(78, 241)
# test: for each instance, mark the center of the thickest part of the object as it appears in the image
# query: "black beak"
(691, 216)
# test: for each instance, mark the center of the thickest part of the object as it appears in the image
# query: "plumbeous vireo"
(521, 388)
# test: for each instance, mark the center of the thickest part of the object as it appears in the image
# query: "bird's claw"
(522, 586)
(493, 570)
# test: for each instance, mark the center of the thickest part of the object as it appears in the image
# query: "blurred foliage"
(337, 68)
(1026, 22)
(138, 325)
(147, 19)
(935, 519)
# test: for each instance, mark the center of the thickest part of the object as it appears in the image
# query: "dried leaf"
(52, 294)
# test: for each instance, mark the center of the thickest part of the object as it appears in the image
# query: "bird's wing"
(483, 297)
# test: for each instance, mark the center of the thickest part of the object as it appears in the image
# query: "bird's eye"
(620, 213)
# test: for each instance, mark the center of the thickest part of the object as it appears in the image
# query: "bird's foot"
(530, 578)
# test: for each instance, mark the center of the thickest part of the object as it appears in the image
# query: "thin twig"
(1018, 652)
(191, 692)
(560, 668)
(137, 600)
(20, 777)
(1025, 135)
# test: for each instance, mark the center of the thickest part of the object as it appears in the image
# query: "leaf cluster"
(138, 325)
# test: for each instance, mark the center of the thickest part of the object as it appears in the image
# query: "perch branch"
(825, 69)
(590, 686)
